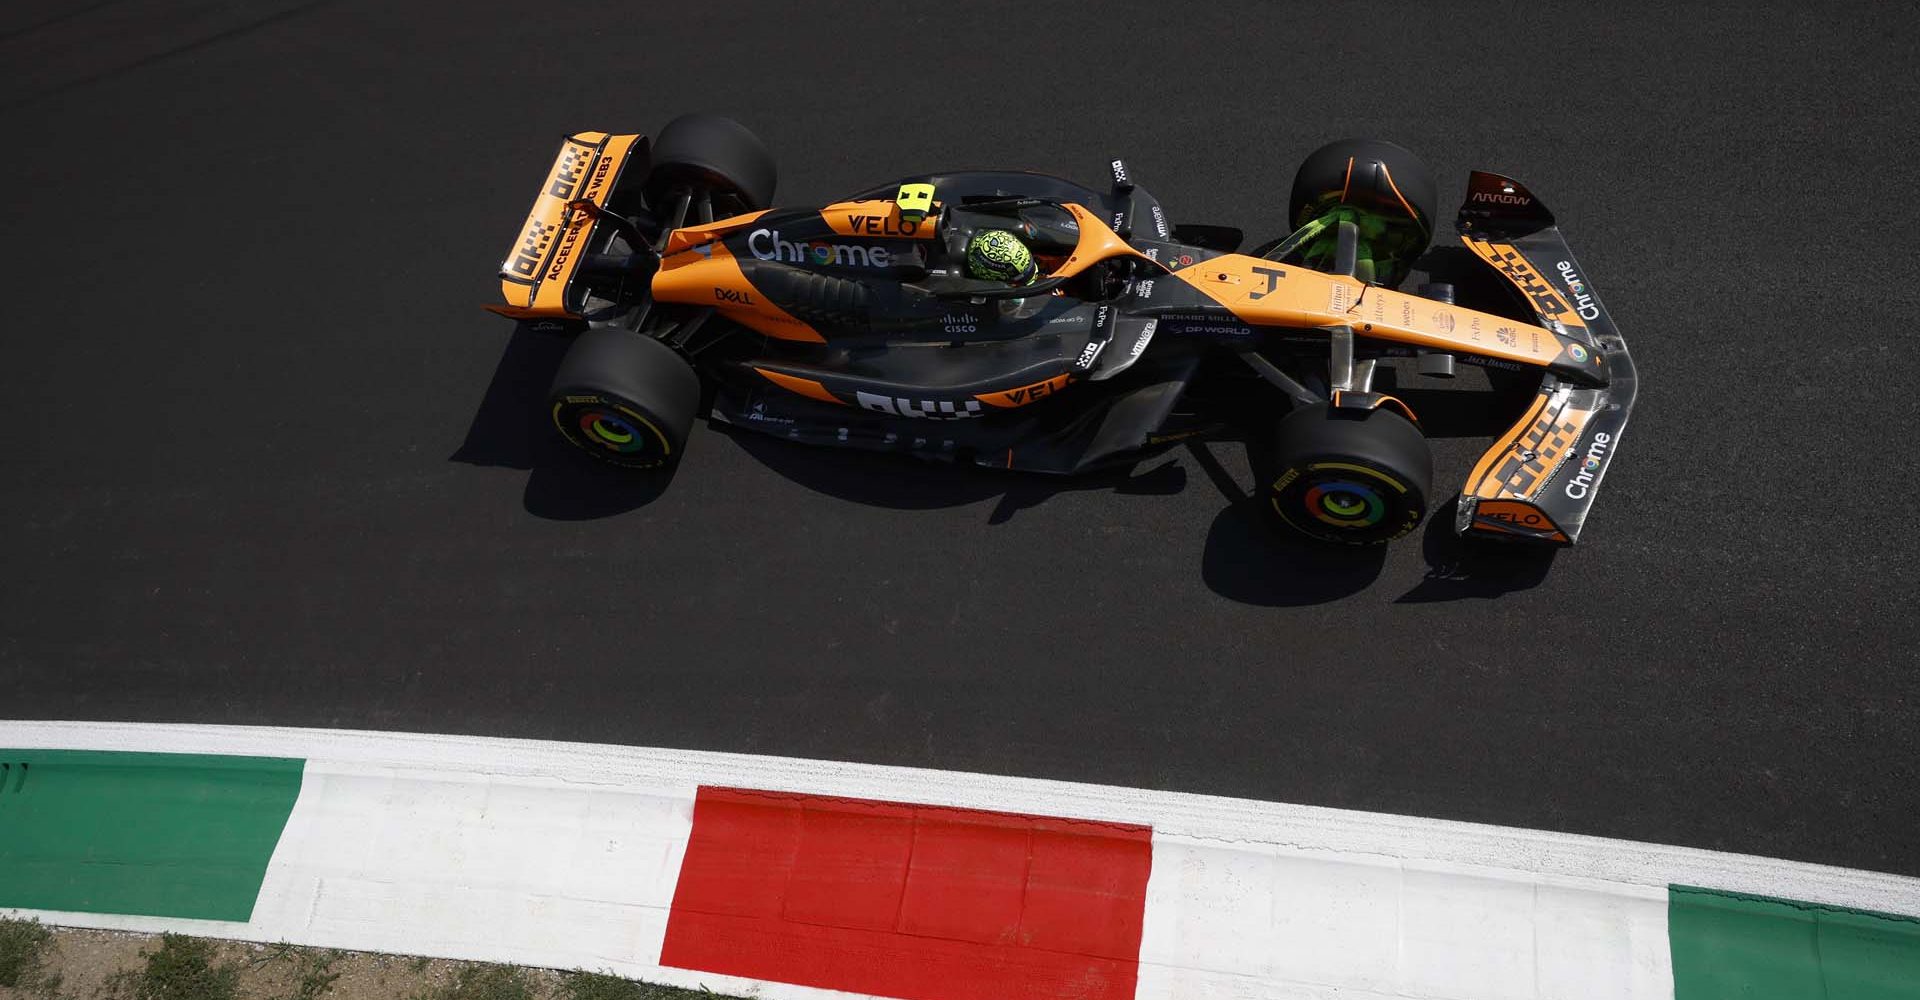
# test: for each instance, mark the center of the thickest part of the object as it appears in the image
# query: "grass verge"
(54, 963)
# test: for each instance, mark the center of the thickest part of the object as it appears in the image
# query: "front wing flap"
(1539, 479)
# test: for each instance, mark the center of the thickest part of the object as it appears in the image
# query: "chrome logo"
(1577, 352)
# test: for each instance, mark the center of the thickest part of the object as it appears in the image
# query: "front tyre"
(1357, 477)
(625, 398)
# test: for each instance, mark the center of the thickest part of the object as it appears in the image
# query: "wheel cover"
(1345, 504)
(613, 430)
(1345, 500)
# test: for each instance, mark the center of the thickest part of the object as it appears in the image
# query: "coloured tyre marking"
(603, 427)
(1345, 501)
(1345, 504)
(611, 431)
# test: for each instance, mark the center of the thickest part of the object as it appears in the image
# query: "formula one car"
(857, 324)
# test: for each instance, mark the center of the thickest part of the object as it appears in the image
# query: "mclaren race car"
(858, 324)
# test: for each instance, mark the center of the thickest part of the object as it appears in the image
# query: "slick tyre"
(1381, 177)
(1372, 173)
(716, 155)
(1351, 477)
(625, 398)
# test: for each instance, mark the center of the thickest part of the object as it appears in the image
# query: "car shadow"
(1460, 568)
(510, 430)
(902, 482)
(1247, 559)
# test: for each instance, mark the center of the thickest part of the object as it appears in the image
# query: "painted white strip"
(1241, 920)
(565, 854)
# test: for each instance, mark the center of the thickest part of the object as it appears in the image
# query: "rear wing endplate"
(536, 279)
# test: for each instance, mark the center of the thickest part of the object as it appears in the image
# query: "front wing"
(1539, 479)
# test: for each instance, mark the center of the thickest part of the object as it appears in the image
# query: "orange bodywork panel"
(688, 237)
(1492, 515)
(803, 386)
(712, 277)
(878, 217)
(1098, 242)
(1522, 458)
(1546, 299)
(1026, 393)
(535, 275)
(1265, 293)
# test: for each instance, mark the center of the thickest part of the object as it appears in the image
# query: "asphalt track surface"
(266, 461)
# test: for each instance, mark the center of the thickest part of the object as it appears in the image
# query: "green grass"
(312, 975)
(484, 982)
(600, 986)
(187, 968)
(180, 969)
(23, 946)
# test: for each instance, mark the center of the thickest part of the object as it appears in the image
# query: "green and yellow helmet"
(998, 255)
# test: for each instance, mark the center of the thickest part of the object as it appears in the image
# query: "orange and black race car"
(859, 324)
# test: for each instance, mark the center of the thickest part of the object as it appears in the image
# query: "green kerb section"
(1728, 946)
(169, 835)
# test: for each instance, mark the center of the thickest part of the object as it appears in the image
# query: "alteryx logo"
(766, 244)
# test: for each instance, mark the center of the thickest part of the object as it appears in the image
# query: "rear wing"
(536, 279)
(1539, 479)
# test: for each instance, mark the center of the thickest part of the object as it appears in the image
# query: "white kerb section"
(1237, 920)
(524, 869)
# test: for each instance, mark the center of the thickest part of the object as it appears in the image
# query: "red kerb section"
(920, 902)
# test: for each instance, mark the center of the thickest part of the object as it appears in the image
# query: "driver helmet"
(998, 255)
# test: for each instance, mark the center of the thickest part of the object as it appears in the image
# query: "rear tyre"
(716, 155)
(625, 398)
(1357, 477)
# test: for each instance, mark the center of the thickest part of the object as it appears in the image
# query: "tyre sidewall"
(1356, 478)
(645, 391)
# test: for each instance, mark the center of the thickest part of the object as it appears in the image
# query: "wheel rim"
(1345, 504)
(619, 432)
(1345, 501)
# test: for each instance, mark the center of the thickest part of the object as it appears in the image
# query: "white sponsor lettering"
(1582, 302)
(766, 244)
(1159, 222)
(1146, 334)
(924, 409)
(1590, 466)
(1091, 351)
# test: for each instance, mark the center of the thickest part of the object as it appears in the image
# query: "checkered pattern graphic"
(1554, 309)
(1535, 454)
